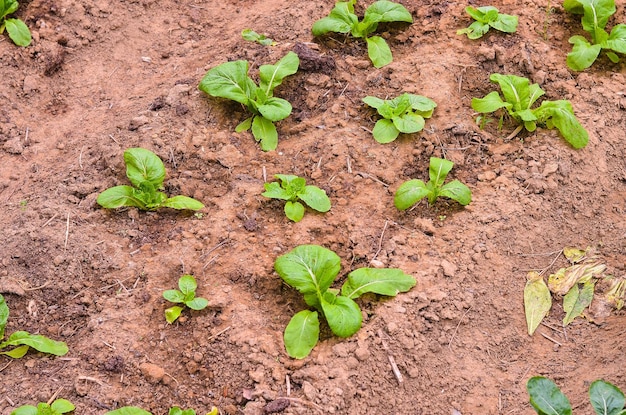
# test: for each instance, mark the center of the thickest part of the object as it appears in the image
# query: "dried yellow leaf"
(537, 301)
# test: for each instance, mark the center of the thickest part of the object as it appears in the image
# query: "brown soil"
(101, 77)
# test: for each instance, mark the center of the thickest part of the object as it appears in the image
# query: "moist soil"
(101, 77)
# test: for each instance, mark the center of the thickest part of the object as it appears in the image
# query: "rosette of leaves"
(58, 407)
(230, 80)
(596, 14)
(146, 172)
(342, 19)
(485, 18)
(186, 295)
(311, 269)
(412, 191)
(252, 36)
(293, 189)
(404, 114)
(24, 340)
(17, 29)
(519, 96)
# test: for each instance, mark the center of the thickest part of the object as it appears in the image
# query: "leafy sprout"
(292, 189)
(186, 295)
(485, 18)
(17, 29)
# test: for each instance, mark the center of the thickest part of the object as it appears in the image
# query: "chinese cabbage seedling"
(186, 295)
(17, 29)
(58, 407)
(311, 269)
(485, 18)
(342, 19)
(412, 191)
(293, 189)
(147, 173)
(596, 14)
(403, 114)
(230, 80)
(24, 340)
(519, 96)
(252, 36)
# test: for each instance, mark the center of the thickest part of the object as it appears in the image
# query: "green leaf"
(62, 406)
(409, 123)
(4, 315)
(251, 35)
(308, 268)
(294, 211)
(272, 75)
(37, 342)
(490, 103)
(457, 191)
(373, 102)
(187, 285)
(244, 125)
(505, 23)
(560, 114)
(383, 281)
(573, 6)
(409, 193)
(229, 80)
(385, 131)
(583, 53)
(474, 31)
(315, 198)
(10, 6)
(617, 39)
(386, 11)
(342, 314)
(273, 190)
(420, 103)
(264, 131)
(172, 313)
(516, 90)
(606, 399)
(18, 32)
(275, 109)
(119, 196)
(174, 296)
(481, 14)
(575, 301)
(340, 20)
(596, 14)
(144, 166)
(537, 301)
(128, 410)
(182, 203)
(18, 352)
(301, 334)
(438, 170)
(378, 51)
(197, 303)
(25, 409)
(547, 398)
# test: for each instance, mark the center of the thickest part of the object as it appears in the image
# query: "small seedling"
(519, 96)
(546, 398)
(24, 340)
(230, 80)
(342, 19)
(58, 407)
(596, 14)
(412, 191)
(17, 29)
(487, 17)
(252, 36)
(133, 410)
(292, 189)
(403, 114)
(311, 269)
(186, 296)
(146, 172)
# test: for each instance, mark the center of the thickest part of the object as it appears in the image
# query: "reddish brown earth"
(101, 77)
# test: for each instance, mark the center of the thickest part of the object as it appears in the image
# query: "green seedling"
(133, 410)
(487, 17)
(17, 29)
(311, 269)
(547, 399)
(342, 19)
(230, 80)
(412, 191)
(146, 172)
(252, 36)
(24, 340)
(58, 407)
(596, 14)
(186, 295)
(519, 96)
(292, 189)
(403, 114)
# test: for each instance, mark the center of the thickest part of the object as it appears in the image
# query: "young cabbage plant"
(17, 29)
(412, 191)
(546, 398)
(485, 18)
(596, 14)
(186, 296)
(293, 189)
(146, 172)
(230, 80)
(252, 36)
(403, 114)
(58, 407)
(519, 96)
(342, 19)
(311, 269)
(24, 340)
